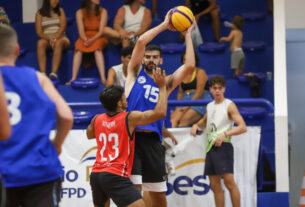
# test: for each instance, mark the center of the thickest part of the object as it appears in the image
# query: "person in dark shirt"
(204, 7)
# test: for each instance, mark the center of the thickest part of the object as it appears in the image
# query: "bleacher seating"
(85, 83)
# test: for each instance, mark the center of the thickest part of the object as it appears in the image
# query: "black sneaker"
(53, 76)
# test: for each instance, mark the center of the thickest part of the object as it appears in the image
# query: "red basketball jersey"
(115, 145)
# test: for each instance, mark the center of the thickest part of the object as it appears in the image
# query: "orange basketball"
(181, 18)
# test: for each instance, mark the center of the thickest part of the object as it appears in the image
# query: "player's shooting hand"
(219, 140)
(159, 77)
(190, 29)
(167, 23)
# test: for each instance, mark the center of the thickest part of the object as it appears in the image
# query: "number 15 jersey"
(144, 96)
(115, 144)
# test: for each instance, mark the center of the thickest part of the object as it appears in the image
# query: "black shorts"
(198, 6)
(2, 193)
(120, 189)
(220, 160)
(36, 195)
(149, 158)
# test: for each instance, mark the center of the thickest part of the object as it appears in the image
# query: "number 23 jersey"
(115, 144)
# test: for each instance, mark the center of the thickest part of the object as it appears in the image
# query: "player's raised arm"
(138, 52)
(5, 126)
(64, 115)
(143, 118)
(175, 79)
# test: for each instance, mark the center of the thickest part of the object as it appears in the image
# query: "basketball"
(181, 18)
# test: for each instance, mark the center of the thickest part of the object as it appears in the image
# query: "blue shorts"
(198, 109)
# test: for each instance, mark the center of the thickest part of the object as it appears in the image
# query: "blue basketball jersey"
(28, 156)
(144, 96)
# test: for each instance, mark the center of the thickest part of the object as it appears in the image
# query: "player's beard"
(150, 67)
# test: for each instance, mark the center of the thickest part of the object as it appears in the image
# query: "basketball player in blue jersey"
(29, 164)
(5, 127)
(142, 94)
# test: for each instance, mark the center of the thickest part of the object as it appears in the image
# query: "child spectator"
(117, 74)
(235, 38)
(3, 17)
(132, 20)
(50, 24)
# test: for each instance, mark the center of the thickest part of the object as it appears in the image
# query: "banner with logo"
(187, 188)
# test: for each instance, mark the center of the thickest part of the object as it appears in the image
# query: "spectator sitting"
(203, 7)
(235, 38)
(191, 88)
(91, 23)
(118, 73)
(3, 17)
(50, 26)
(132, 20)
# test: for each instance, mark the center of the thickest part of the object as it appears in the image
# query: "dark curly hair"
(110, 96)
(218, 79)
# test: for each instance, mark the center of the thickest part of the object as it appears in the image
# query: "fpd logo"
(74, 176)
(88, 159)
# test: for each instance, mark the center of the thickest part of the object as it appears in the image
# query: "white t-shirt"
(218, 120)
(119, 78)
(132, 22)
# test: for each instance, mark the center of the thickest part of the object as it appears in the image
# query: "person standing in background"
(236, 38)
(221, 114)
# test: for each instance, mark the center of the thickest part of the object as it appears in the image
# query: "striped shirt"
(50, 25)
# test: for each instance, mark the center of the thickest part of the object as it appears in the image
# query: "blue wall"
(295, 52)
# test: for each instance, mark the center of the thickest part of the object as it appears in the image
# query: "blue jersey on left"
(28, 156)
(144, 96)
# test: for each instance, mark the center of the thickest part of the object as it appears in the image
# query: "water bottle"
(227, 24)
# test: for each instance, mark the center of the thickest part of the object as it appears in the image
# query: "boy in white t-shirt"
(221, 114)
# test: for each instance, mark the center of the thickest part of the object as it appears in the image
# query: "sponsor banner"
(189, 187)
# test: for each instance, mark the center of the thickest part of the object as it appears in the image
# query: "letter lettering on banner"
(205, 186)
(179, 184)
